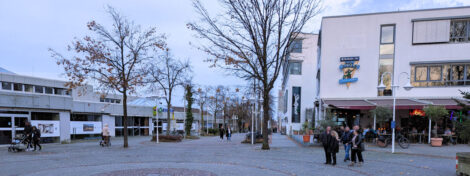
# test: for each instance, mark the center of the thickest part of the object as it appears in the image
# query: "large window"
(17, 87)
(460, 30)
(85, 117)
(448, 74)
(386, 57)
(6, 86)
(295, 68)
(296, 46)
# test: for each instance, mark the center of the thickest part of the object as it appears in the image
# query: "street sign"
(393, 124)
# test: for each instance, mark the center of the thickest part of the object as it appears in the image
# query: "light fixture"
(382, 86)
(408, 85)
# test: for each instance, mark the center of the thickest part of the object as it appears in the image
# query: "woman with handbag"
(357, 148)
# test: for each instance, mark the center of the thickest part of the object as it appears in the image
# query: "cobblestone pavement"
(210, 156)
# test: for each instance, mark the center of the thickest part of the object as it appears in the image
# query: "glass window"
(459, 30)
(6, 86)
(28, 88)
(58, 91)
(421, 73)
(5, 122)
(296, 46)
(295, 68)
(17, 87)
(387, 34)
(458, 72)
(44, 116)
(118, 121)
(101, 99)
(387, 51)
(435, 73)
(39, 89)
(49, 90)
(118, 101)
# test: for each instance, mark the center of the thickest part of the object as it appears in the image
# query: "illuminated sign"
(348, 67)
(417, 112)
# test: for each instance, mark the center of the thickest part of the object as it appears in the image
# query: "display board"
(48, 128)
(85, 127)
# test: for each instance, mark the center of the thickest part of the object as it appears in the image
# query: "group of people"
(352, 140)
(227, 132)
(32, 136)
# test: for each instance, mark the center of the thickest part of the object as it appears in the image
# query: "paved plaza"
(210, 156)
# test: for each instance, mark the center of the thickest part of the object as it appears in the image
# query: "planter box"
(306, 138)
(296, 132)
(436, 142)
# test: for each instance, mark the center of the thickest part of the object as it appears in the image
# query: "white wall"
(306, 80)
(359, 36)
(64, 127)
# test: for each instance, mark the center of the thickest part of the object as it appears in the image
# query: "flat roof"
(390, 12)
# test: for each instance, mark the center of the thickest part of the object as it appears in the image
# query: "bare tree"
(167, 73)
(202, 99)
(253, 38)
(114, 58)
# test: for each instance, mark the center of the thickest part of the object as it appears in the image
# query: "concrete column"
(110, 120)
(64, 127)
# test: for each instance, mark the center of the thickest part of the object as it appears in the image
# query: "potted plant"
(434, 113)
(306, 136)
(296, 132)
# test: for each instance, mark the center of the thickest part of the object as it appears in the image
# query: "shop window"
(48, 90)
(44, 116)
(5, 122)
(119, 132)
(6, 86)
(118, 121)
(17, 87)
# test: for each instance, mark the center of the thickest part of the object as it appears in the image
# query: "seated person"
(448, 135)
(414, 130)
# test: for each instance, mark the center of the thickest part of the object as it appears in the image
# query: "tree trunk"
(168, 119)
(266, 110)
(202, 118)
(124, 118)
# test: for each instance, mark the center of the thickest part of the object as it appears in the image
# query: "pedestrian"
(28, 134)
(325, 139)
(106, 134)
(36, 135)
(221, 133)
(346, 139)
(229, 134)
(357, 148)
(334, 146)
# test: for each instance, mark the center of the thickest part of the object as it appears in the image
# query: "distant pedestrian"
(36, 135)
(357, 148)
(334, 146)
(229, 134)
(106, 134)
(221, 133)
(346, 139)
(326, 139)
(28, 130)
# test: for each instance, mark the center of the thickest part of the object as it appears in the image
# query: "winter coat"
(333, 145)
(28, 129)
(36, 134)
(346, 138)
(326, 139)
(228, 133)
(358, 141)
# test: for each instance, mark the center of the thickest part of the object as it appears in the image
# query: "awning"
(401, 103)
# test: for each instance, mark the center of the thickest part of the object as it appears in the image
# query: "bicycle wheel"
(404, 143)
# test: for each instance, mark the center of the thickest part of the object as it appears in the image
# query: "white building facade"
(298, 84)
(358, 52)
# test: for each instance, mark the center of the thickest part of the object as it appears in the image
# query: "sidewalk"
(447, 152)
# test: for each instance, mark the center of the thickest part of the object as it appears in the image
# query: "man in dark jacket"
(326, 139)
(346, 139)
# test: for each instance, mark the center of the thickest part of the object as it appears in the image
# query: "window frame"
(291, 62)
(381, 34)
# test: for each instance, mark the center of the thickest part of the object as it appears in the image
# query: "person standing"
(229, 134)
(221, 133)
(334, 146)
(36, 135)
(357, 148)
(346, 139)
(326, 139)
(106, 134)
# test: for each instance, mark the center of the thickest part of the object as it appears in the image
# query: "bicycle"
(403, 142)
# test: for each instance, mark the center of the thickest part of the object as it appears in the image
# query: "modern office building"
(298, 83)
(63, 115)
(428, 48)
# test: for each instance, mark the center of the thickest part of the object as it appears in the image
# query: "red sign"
(417, 112)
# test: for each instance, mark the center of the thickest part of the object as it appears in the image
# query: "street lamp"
(157, 98)
(394, 86)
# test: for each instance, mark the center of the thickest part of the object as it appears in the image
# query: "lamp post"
(157, 98)
(394, 86)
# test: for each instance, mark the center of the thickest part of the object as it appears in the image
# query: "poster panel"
(85, 127)
(48, 128)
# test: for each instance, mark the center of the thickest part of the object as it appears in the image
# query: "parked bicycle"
(403, 142)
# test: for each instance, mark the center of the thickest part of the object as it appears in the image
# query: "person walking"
(326, 139)
(221, 133)
(346, 139)
(334, 146)
(229, 134)
(357, 148)
(106, 134)
(36, 135)
(28, 130)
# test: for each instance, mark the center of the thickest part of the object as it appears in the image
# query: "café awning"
(401, 103)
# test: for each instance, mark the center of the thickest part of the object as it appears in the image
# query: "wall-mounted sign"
(296, 104)
(48, 128)
(417, 112)
(348, 67)
(85, 127)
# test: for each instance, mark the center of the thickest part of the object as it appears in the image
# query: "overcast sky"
(29, 28)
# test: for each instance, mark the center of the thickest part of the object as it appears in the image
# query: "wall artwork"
(348, 67)
(48, 128)
(296, 104)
